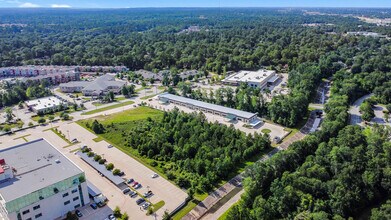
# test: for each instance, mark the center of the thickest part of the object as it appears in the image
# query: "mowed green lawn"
(136, 114)
(123, 122)
(108, 108)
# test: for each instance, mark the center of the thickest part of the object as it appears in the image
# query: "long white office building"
(39, 182)
(234, 114)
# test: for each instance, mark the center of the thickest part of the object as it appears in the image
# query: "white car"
(154, 175)
(146, 205)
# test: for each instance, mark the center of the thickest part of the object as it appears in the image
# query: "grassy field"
(108, 108)
(97, 103)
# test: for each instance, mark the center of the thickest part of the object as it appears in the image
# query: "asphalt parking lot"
(163, 190)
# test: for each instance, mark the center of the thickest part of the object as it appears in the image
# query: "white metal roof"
(206, 105)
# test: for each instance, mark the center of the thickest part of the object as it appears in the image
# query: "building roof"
(149, 75)
(43, 103)
(250, 76)
(99, 84)
(38, 165)
(214, 107)
(75, 84)
(101, 168)
(273, 79)
(92, 189)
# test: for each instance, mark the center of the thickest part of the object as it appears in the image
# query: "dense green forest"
(230, 39)
(338, 170)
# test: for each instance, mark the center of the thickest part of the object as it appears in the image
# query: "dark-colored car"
(125, 190)
(134, 184)
(130, 181)
(93, 206)
(133, 194)
(140, 201)
(78, 213)
(138, 186)
(121, 173)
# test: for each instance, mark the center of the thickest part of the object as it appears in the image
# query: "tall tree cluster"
(12, 94)
(194, 153)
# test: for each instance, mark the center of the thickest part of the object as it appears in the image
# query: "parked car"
(101, 204)
(154, 175)
(130, 181)
(148, 194)
(74, 141)
(138, 186)
(111, 217)
(110, 146)
(93, 206)
(126, 190)
(121, 173)
(140, 201)
(78, 213)
(146, 205)
(134, 184)
(133, 194)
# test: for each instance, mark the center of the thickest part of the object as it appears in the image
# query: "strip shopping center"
(229, 113)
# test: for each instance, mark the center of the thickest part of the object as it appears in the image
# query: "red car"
(134, 184)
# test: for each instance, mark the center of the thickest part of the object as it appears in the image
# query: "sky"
(190, 3)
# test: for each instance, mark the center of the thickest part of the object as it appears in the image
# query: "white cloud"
(28, 5)
(60, 6)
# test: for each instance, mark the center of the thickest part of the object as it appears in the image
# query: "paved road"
(354, 111)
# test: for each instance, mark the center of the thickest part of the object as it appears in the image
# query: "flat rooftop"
(36, 168)
(250, 76)
(43, 103)
(206, 105)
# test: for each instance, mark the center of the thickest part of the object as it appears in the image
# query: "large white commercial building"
(39, 182)
(255, 79)
(45, 104)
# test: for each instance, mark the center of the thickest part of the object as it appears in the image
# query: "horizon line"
(200, 7)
